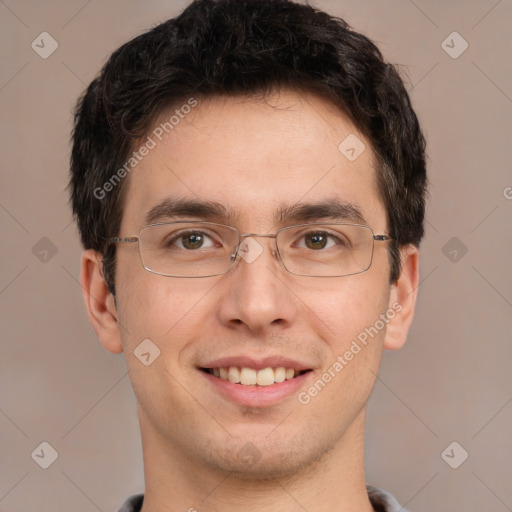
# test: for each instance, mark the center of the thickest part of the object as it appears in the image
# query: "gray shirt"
(382, 501)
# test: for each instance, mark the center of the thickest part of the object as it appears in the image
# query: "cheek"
(353, 335)
(159, 317)
(162, 309)
(346, 306)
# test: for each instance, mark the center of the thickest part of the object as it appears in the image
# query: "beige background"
(450, 383)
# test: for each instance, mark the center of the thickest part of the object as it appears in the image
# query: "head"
(244, 103)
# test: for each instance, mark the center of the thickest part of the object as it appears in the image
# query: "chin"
(281, 459)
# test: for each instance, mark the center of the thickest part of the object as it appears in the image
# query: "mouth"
(246, 376)
(255, 380)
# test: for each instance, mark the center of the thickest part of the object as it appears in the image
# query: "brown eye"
(192, 240)
(189, 240)
(316, 240)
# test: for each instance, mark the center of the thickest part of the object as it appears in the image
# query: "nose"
(256, 294)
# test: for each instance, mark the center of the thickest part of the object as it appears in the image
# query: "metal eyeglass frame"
(132, 239)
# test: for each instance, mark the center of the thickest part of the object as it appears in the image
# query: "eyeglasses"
(205, 249)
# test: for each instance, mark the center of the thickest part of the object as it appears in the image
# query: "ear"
(402, 299)
(99, 302)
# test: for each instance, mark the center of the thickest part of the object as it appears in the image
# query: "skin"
(247, 154)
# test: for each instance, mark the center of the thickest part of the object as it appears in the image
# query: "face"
(255, 158)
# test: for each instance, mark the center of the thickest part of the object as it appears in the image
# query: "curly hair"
(244, 47)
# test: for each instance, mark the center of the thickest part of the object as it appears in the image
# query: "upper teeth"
(251, 377)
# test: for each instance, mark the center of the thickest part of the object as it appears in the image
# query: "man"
(249, 181)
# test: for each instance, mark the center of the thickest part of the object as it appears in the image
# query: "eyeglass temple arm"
(127, 239)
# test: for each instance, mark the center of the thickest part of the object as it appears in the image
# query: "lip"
(257, 364)
(257, 396)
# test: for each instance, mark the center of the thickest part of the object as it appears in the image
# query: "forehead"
(255, 159)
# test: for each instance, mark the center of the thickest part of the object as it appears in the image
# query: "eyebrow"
(171, 208)
(333, 209)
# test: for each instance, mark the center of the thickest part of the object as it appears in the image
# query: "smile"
(253, 377)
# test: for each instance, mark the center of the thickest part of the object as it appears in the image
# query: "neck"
(176, 482)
